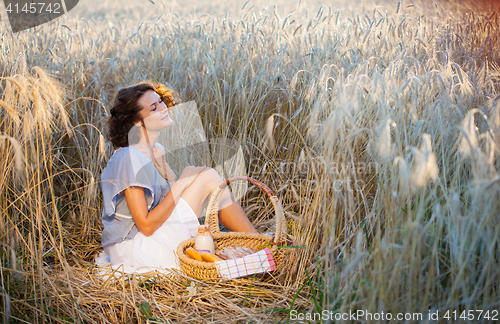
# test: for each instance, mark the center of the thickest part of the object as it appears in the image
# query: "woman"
(147, 210)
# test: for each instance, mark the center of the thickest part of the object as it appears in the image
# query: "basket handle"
(212, 219)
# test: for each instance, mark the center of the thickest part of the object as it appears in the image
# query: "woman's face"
(154, 111)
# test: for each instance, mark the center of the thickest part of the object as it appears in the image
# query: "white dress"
(156, 252)
(140, 253)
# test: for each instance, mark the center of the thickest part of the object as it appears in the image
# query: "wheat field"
(377, 124)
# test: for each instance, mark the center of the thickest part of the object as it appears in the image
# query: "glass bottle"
(204, 241)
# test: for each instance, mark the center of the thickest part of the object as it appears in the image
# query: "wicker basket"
(207, 270)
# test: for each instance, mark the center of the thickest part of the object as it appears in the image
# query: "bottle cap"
(204, 230)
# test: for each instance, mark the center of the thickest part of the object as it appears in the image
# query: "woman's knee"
(209, 178)
(211, 174)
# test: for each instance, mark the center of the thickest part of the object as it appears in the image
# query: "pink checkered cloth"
(258, 262)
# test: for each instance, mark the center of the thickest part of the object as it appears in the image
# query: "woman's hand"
(162, 166)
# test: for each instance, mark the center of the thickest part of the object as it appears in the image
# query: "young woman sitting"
(147, 210)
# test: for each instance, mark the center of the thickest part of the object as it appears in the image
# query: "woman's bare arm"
(149, 222)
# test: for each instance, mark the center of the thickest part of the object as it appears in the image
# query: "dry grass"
(379, 131)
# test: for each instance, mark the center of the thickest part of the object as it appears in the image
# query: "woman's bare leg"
(231, 215)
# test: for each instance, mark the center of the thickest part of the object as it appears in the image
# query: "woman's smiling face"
(154, 111)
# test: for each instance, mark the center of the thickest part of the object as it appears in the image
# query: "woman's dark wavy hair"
(126, 108)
